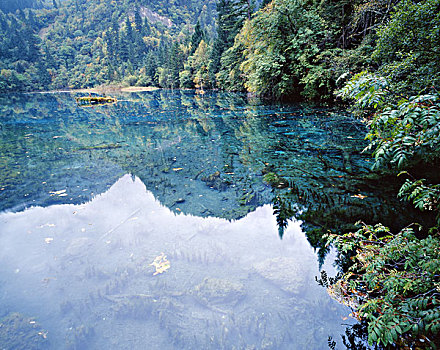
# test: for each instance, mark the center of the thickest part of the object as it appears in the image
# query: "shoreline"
(117, 89)
(100, 89)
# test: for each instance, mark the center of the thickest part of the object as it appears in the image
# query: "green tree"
(408, 47)
(200, 63)
(394, 278)
(282, 47)
(226, 32)
(197, 37)
(230, 76)
(138, 20)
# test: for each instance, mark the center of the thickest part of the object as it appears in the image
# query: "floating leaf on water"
(161, 264)
(43, 334)
(360, 196)
(58, 193)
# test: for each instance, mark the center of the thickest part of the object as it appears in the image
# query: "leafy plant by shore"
(393, 283)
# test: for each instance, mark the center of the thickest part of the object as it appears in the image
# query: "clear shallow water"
(91, 196)
(171, 141)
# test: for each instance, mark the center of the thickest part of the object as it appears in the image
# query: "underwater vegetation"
(19, 332)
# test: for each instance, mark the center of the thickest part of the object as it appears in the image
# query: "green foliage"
(408, 46)
(83, 44)
(230, 77)
(407, 54)
(423, 196)
(197, 37)
(287, 49)
(22, 65)
(281, 51)
(227, 51)
(402, 133)
(407, 133)
(368, 91)
(296, 48)
(394, 283)
(13, 5)
(186, 79)
(196, 72)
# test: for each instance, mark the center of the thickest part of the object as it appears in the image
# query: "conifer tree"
(228, 27)
(138, 20)
(146, 27)
(128, 29)
(197, 37)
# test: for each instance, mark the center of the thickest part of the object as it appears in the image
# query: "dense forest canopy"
(301, 49)
(14, 5)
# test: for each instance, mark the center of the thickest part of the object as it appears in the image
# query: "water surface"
(204, 186)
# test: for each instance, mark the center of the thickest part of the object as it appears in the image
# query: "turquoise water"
(90, 197)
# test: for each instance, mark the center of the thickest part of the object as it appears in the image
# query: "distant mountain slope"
(13, 5)
(84, 43)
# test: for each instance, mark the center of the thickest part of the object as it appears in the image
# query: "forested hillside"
(78, 43)
(302, 49)
(12, 6)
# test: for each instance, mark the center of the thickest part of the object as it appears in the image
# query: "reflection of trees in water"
(355, 338)
(186, 148)
(335, 203)
(205, 156)
(148, 136)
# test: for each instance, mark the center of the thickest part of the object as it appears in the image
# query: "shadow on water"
(213, 181)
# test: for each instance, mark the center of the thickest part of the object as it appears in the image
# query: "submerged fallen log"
(94, 100)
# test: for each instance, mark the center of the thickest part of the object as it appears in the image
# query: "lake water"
(175, 221)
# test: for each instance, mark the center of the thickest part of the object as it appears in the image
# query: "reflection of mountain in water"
(84, 273)
(208, 156)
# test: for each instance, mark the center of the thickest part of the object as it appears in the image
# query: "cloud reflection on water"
(84, 272)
